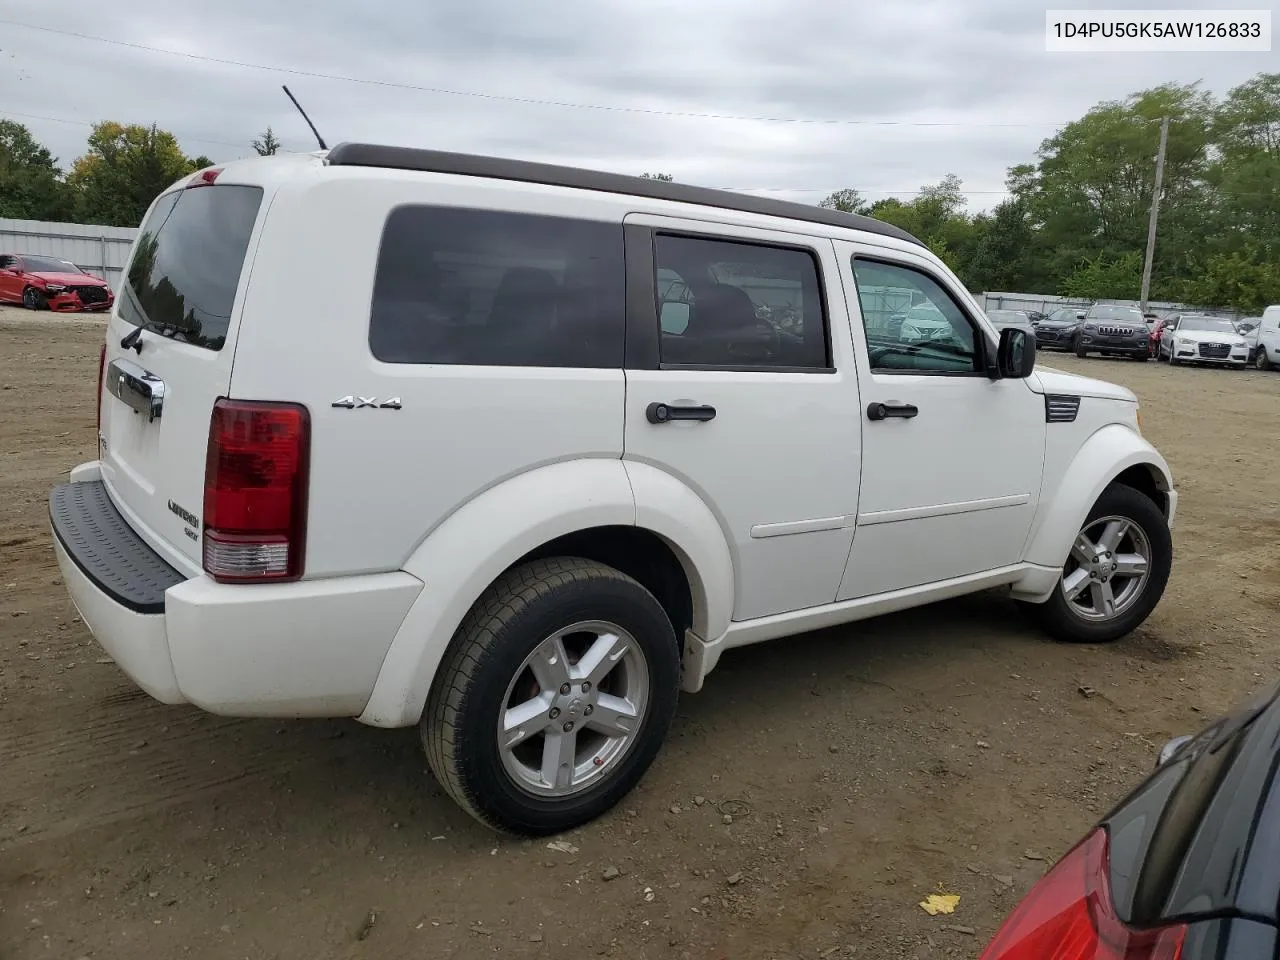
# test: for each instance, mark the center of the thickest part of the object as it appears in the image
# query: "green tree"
(126, 168)
(31, 185)
(266, 145)
(847, 200)
(1090, 190)
(1246, 280)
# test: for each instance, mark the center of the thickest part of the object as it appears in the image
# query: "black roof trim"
(499, 168)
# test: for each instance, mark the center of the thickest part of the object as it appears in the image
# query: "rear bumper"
(310, 648)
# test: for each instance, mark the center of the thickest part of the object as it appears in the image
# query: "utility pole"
(1155, 213)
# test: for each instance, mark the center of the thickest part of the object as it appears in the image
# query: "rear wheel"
(555, 697)
(1115, 574)
(33, 299)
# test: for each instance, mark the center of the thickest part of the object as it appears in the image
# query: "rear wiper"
(132, 340)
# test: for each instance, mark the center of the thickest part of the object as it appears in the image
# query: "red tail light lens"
(102, 371)
(255, 491)
(1068, 915)
(204, 178)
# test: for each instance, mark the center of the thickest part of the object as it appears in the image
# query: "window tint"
(498, 289)
(723, 303)
(7, 263)
(187, 261)
(912, 324)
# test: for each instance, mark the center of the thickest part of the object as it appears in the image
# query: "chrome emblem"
(352, 402)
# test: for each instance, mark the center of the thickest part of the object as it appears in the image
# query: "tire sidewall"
(613, 599)
(1127, 502)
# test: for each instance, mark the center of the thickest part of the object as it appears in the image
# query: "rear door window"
(492, 288)
(187, 262)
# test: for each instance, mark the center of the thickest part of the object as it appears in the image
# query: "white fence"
(1048, 304)
(99, 250)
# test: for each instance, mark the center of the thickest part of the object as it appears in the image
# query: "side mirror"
(1016, 356)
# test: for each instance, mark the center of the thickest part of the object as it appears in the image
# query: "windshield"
(1215, 324)
(1127, 314)
(1008, 316)
(49, 265)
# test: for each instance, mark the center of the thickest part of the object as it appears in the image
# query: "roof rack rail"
(440, 161)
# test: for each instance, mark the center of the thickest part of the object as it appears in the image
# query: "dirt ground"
(950, 749)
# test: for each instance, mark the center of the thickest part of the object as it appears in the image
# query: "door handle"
(883, 411)
(665, 412)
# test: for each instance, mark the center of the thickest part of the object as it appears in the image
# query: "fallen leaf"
(937, 903)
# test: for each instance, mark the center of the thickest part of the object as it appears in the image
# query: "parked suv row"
(558, 441)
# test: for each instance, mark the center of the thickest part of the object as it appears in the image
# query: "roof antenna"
(319, 139)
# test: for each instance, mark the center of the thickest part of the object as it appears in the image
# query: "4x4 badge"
(355, 403)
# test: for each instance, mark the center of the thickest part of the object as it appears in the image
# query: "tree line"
(1074, 224)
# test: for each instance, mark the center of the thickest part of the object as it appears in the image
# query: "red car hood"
(69, 279)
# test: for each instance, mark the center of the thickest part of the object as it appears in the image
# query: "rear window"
(458, 286)
(186, 264)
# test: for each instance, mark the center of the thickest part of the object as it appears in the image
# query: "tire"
(33, 299)
(1081, 352)
(1061, 618)
(1262, 361)
(1173, 361)
(484, 674)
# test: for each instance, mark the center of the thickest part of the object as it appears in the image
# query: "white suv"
(1267, 351)
(515, 452)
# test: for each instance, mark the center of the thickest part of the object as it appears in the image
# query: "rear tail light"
(255, 491)
(1069, 915)
(102, 370)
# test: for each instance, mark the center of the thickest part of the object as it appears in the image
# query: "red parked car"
(47, 283)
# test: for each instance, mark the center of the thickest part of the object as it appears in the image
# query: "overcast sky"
(885, 72)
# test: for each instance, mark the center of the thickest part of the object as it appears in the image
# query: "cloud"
(893, 66)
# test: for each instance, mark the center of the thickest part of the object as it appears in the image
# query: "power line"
(740, 189)
(399, 85)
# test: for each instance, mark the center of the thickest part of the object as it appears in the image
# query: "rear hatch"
(169, 350)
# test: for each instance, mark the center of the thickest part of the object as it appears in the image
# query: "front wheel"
(33, 299)
(1262, 361)
(1115, 574)
(554, 698)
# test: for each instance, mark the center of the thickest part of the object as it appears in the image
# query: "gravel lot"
(862, 768)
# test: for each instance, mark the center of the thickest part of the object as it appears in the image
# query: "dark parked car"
(1113, 330)
(1058, 329)
(48, 283)
(1187, 867)
(1010, 318)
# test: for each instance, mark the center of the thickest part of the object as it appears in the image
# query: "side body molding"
(1101, 458)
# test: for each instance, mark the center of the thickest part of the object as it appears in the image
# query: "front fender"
(1109, 452)
(470, 549)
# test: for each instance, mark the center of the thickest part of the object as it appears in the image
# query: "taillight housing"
(255, 491)
(102, 372)
(1069, 915)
